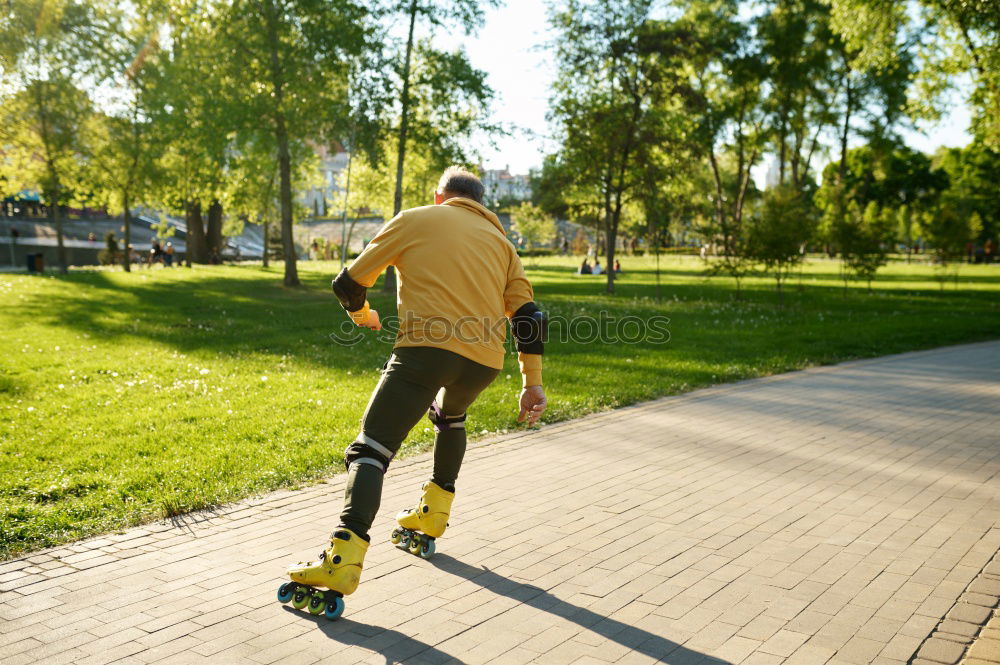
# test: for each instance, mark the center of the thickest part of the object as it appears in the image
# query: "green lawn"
(127, 397)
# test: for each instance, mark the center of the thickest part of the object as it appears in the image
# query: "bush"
(673, 251)
(541, 251)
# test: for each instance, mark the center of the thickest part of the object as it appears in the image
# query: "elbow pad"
(530, 326)
(350, 294)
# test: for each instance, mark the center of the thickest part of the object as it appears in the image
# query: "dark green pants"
(413, 378)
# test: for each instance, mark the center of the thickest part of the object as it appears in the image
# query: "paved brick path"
(829, 516)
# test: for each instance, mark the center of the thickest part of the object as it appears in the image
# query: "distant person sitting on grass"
(598, 270)
(584, 268)
(618, 266)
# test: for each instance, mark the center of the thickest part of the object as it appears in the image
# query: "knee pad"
(366, 450)
(443, 423)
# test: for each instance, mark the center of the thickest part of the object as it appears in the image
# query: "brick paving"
(846, 514)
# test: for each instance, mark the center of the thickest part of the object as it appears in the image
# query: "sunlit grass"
(127, 397)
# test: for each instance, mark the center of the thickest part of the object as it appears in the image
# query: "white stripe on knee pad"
(375, 445)
(372, 461)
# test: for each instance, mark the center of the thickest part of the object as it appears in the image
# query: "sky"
(509, 49)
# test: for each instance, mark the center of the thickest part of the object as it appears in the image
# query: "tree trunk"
(612, 234)
(284, 155)
(719, 210)
(389, 285)
(842, 172)
(127, 263)
(656, 248)
(214, 233)
(267, 228)
(57, 222)
(607, 228)
(287, 241)
(782, 149)
(196, 245)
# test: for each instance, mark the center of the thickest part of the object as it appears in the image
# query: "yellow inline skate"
(338, 571)
(418, 527)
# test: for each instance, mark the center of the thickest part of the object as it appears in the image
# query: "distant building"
(501, 185)
(319, 200)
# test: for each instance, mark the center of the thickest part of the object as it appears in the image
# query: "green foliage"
(780, 230)
(372, 182)
(44, 51)
(864, 239)
(164, 229)
(973, 173)
(891, 176)
(947, 231)
(533, 224)
(798, 50)
(619, 105)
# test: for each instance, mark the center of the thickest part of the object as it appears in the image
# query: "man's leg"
(448, 416)
(401, 398)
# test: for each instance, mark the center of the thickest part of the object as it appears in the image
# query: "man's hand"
(372, 321)
(533, 404)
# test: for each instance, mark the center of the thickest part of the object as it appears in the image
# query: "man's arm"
(352, 284)
(352, 296)
(529, 326)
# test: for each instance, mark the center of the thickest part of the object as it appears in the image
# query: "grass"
(130, 397)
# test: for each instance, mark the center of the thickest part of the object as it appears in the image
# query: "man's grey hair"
(458, 181)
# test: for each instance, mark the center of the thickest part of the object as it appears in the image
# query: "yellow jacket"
(460, 279)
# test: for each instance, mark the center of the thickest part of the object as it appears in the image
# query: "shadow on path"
(392, 645)
(397, 647)
(628, 636)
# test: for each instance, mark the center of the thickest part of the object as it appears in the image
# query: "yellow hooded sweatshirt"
(459, 280)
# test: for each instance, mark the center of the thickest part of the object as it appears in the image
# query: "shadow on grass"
(246, 312)
(249, 314)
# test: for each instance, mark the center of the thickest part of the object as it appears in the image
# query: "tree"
(796, 47)
(446, 103)
(947, 231)
(533, 224)
(729, 76)
(864, 239)
(955, 37)
(971, 28)
(780, 230)
(973, 173)
(467, 15)
(287, 65)
(617, 89)
(119, 143)
(43, 45)
(197, 117)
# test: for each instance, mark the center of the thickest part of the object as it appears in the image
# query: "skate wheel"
(414, 546)
(396, 537)
(286, 591)
(427, 549)
(317, 604)
(334, 608)
(300, 598)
